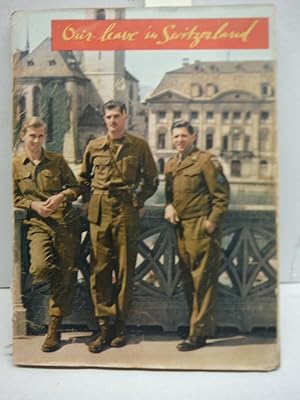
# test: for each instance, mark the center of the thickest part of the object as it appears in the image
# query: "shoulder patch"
(216, 163)
(221, 178)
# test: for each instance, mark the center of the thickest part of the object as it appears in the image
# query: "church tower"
(105, 69)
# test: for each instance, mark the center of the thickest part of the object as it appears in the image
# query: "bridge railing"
(246, 288)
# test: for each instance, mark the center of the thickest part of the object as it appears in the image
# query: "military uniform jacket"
(130, 168)
(39, 182)
(196, 186)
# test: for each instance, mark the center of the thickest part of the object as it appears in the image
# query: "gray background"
(45, 383)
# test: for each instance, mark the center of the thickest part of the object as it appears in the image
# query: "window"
(268, 67)
(214, 68)
(196, 90)
(211, 89)
(236, 116)
(225, 143)
(100, 14)
(235, 168)
(209, 141)
(22, 109)
(30, 63)
(161, 141)
(177, 115)
(248, 116)
(247, 143)
(225, 116)
(263, 139)
(50, 137)
(36, 101)
(161, 116)
(194, 115)
(263, 168)
(236, 141)
(209, 115)
(52, 62)
(266, 89)
(264, 116)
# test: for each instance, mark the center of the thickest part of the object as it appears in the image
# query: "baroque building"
(231, 106)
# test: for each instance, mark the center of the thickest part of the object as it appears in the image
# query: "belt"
(113, 192)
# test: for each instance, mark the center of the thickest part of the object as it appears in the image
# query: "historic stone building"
(232, 108)
(67, 89)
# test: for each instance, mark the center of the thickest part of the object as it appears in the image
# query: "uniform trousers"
(54, 250)
(113, 257)
(199, 254)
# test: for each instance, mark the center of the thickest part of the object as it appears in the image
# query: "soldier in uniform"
(119, 172)
(197, 195)
(45, 186)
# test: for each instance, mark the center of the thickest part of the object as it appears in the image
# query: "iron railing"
(247, 277)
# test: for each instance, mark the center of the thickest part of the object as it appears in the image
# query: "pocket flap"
(98, 161)
(23, 175)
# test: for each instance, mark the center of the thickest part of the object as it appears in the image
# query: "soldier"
(45, 186)
(197, 195)
(119, 171)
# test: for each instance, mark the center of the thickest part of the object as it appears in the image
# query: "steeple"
(27, 45)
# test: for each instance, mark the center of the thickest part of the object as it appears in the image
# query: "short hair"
(183, 124)
(33, 122)
(111, 104)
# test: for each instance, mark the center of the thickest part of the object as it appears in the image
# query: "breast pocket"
(101, 169)
(25, 182)
(192, 180)
(129, 166)
(50, 180)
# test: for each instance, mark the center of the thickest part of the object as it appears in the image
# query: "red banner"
(160, 34)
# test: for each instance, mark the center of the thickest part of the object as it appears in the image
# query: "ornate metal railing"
(247, 278)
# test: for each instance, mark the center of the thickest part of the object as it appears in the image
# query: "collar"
(189, 159)
(181, 157)
(106, 140)
(46, 155)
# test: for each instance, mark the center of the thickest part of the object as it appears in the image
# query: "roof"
(181, 79)
(42, 62)
(129, 76)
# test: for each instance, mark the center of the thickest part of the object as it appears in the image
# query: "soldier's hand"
(54, 201)
(40, 208)
(210, 226)
(171, 214)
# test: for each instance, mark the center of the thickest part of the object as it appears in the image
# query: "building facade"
(231, 106)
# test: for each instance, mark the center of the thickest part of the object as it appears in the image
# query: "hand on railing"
(171, 214)
(210, 226)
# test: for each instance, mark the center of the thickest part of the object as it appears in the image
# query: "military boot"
(52, 341)
(120, 334)
(192, 343)
(101, 341)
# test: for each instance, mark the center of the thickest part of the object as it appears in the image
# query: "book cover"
(214, 67)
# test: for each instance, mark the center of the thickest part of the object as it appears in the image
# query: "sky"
(148, 66)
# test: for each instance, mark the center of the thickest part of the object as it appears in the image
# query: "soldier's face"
(182, 139)
(115, 121)
(34, 138)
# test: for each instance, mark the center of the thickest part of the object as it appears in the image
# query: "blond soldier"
(45, 186)
(119, 171)
(197, 195)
